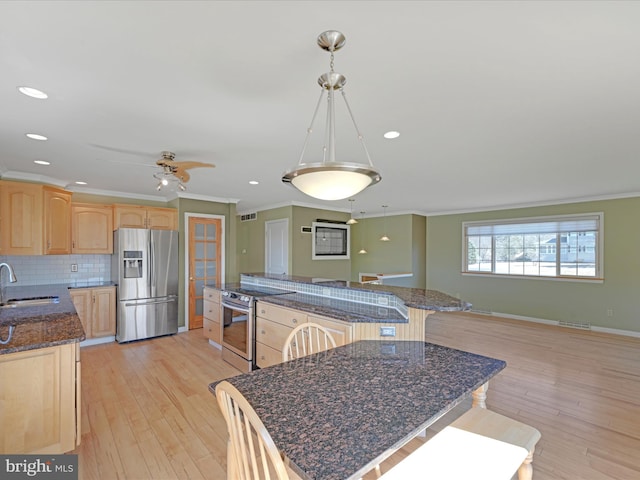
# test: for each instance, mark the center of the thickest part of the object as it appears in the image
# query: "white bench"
(480, 445)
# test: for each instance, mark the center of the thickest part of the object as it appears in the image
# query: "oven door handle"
(236, 308)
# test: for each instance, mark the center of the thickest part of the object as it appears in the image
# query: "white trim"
(97, 341)
(593, 328)
(187, 216)
(506, 276)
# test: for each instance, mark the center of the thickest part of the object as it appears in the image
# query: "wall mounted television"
(330, 241)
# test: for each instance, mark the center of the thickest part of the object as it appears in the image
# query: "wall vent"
(248, 217)
(578, 325)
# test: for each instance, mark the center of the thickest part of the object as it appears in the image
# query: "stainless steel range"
(239, 320)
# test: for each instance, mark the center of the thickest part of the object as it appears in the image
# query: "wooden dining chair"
(305, 339)
(251, 453)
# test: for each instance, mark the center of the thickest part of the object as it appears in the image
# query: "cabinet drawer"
(267, 356)
(211, 330)
(272, 334)
(211, 310)
(284, 316)
(211, 294)
(340, 331)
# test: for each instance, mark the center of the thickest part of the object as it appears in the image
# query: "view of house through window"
(559, 246)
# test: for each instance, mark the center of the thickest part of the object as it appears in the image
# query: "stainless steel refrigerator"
(145, 267)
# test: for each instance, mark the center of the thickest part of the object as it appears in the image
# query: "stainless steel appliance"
(145, 267)
(239, 320)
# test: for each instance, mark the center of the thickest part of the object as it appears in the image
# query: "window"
(330, 241)
(558, 246)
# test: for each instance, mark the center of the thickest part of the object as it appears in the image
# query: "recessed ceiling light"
(392, 134)
(42, 162)
(36, 136)
(81, 183)
(33, 93)
(253, 182)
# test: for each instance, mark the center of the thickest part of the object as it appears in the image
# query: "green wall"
(405, 252)
(570, 301)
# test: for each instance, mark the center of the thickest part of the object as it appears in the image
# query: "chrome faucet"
(12, 274)
(12, 277)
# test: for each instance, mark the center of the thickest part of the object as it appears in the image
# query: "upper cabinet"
(138, 216)
(57, 221)
(91, 228)
(20, 218)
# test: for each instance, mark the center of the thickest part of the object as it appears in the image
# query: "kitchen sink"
(29, 302)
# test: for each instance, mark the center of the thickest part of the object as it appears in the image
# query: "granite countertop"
(39, 326)
(337, 413)
(420, 298)
(344, 310)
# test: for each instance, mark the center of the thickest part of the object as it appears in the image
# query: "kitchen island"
(351, 311)
(39, 372)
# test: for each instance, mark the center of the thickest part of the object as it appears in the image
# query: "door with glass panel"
(205, 262)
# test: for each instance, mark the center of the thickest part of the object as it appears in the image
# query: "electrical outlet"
(387, 331)
(74, 267)
(609, 312)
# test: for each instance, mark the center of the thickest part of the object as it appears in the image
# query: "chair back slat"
(306, 339)
(251, 455)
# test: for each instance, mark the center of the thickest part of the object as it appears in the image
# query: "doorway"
(276, 244)
(205, 261)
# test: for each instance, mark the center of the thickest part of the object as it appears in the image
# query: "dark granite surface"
(336, 414)
(412, 297)
(340, 309)
(39, 326)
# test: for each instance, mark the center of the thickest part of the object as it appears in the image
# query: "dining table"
(337, 414)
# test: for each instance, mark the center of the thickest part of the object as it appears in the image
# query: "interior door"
(277, 246)
(205, 263)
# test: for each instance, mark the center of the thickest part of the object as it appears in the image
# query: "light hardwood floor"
(147, 412)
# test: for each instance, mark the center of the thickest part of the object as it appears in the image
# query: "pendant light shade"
(384, 237)
(362, 250)
(330, 179)
(351, 221)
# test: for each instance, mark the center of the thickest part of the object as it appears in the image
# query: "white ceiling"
(499, 104)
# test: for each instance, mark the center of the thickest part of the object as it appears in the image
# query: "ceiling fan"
(173, 170)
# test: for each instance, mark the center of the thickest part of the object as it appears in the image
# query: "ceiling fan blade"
(187, 164)
(121, 150)
(181, 173)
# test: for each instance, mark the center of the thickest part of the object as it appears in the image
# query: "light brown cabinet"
(212, 328)
(342, 332)
(57, 221)
(91, 228)
(20, 218)
(273, 325)
(96, 308)
(138, 216)
(40, 398)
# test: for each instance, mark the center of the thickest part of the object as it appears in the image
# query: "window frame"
(507, 223)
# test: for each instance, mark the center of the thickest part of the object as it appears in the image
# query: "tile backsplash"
(48, 269)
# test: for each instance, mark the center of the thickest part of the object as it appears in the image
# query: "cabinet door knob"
(294, 320)
(263, 332)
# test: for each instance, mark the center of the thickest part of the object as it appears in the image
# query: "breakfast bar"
(339, 413)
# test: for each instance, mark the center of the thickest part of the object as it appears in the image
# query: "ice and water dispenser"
(132, 264)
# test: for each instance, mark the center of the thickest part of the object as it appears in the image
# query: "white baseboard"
(594, 328)
(97, 341)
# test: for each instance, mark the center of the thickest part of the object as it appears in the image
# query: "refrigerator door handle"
(151, 302)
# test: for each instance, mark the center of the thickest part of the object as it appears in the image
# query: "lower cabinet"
(211, 327)
(273, 325)
(342, 332)
(96, 308)
(40, 400)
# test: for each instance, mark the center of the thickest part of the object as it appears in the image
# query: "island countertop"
(420, 298)
(39, 326)
(337, 412)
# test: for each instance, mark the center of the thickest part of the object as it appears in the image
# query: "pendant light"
(384, 237)
(330, 179)
(351, 220)
(362, 250)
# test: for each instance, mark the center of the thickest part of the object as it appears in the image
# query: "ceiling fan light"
(164, 182)
(181, 187)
